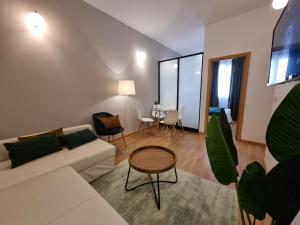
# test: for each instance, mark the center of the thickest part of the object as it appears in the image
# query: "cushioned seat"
(89, 154)
(114, 131)
(58, 197)
(9, 177)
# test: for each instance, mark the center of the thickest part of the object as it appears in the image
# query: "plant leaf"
(219, 155)
(283, 133)
(250, 190)
(228, 136)
(282, 189)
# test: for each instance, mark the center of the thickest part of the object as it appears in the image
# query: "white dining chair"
(145, 121)
(180, 117)
(171, 120)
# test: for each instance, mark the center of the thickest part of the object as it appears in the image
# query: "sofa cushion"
(57, 132)
(78, 138)
(59, 191)
(46, 164)
(26, 151)
(10, 177)
(57, 197)
(89, 154)
(94, 212)
(17, 207)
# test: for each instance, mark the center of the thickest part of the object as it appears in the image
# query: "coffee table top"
(152, 159)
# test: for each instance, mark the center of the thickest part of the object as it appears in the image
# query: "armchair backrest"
(99, 126)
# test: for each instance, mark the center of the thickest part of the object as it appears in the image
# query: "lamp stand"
(125, 112)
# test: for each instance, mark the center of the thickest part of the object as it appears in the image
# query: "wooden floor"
(191, 152)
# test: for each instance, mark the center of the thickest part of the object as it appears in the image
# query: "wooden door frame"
(247, 57)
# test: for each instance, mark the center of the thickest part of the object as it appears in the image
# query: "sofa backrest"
(4, 152)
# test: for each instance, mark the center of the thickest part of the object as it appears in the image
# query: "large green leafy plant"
(276, 193)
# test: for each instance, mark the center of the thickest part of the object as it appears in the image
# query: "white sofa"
(50, 191)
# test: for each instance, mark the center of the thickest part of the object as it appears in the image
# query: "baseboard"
(244, 141)
(131, 134)
(253, 143)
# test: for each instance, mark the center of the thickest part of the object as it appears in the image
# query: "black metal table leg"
(127, 178)
(152, 182)
(157, 197)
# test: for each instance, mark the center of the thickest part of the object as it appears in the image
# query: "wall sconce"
(36, 22)
(140, 58)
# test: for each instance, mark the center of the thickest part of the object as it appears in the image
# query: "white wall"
(251, 31)
(71, 71)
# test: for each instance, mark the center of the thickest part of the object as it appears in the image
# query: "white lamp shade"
(126, 87)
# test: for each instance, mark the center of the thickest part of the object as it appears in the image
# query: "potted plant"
(277, 192)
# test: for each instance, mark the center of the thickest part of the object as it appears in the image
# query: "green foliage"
(219, 154)
(226, 128)
(282, 189)
(283, 133)
(278, 192)
(250, 190)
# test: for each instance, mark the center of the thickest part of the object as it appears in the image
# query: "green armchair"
(101, 130)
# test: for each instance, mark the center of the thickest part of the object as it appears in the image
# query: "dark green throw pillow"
(25, 151)
(78, 138)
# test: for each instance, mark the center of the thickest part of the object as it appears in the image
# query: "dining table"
(159, 112)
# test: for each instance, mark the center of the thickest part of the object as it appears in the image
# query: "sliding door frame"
(244, 83)
(178, 80)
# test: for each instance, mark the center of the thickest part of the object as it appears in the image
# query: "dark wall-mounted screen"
(285, 59)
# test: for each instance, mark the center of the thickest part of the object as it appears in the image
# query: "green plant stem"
(249, 219)
(273, 222)
(241, 210)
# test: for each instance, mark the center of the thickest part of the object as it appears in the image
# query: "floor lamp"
(126, 88)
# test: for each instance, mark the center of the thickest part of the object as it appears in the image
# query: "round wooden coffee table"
(152, 160)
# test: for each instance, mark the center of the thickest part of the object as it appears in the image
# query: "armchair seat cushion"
(114, 131)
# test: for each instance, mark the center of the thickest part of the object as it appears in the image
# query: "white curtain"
(224, 80)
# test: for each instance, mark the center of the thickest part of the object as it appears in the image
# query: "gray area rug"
(193, 200)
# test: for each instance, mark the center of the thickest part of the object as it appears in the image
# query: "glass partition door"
(168, 84)
(189, 90)
(180, 87)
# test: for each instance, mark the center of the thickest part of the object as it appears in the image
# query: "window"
(224, 80)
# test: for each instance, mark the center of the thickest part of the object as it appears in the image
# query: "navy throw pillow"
(25, 151)
(78, 138)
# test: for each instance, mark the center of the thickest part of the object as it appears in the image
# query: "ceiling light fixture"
(279, 4)
(36, 22)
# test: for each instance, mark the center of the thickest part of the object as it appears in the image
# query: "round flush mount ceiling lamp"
(36, 22)
(279, 4)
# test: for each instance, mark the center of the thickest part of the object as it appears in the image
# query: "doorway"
(226, 88)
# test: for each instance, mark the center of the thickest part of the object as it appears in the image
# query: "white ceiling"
(177, 24)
